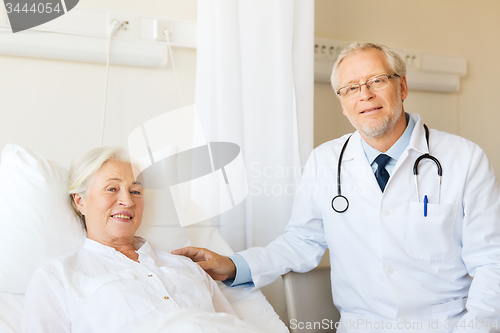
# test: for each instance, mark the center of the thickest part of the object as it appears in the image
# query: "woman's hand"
(219, 267)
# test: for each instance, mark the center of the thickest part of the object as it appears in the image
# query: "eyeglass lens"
(375, 83)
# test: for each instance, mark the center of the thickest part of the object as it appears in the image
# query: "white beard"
(386, 126)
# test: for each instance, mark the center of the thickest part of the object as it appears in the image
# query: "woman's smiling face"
(114, 204)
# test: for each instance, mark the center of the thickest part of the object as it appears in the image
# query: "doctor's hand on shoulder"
(219, 267)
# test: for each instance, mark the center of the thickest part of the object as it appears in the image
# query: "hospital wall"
(56, 107)
(456, 27)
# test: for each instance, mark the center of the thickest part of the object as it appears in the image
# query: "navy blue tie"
(381, 173)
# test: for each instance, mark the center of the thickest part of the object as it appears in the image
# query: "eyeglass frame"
(366, 83)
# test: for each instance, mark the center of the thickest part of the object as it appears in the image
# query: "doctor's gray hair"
(394, 61)
(83, 169)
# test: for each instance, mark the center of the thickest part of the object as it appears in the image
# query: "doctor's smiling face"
(377, 114)
(114, 204)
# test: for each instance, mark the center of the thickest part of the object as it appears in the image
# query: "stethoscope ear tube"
(340, 164)
(421, 157)
(432, 158)
(339, 202)
(439, 171)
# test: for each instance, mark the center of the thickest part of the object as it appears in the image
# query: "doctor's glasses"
(375, 83)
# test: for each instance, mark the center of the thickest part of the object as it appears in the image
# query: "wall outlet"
(327, 49)
(412, 59)
(164, 28)
(129, 25)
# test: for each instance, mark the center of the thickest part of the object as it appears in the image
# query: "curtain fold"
(254, 87)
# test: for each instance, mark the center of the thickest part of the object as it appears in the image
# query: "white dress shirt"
(98, 289)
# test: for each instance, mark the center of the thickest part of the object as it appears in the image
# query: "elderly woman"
(116, 282)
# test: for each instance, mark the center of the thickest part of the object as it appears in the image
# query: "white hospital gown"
(98, 289)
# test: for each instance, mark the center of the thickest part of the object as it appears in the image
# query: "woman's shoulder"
(61, 262)
(54, 273)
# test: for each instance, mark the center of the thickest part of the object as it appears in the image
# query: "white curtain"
(254, 87)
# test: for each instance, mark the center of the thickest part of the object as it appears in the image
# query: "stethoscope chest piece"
(340, 203)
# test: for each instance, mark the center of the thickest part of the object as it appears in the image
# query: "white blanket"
(252, 306)
(11, 307)
(197, 321)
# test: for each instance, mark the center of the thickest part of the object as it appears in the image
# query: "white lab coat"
(390, 264)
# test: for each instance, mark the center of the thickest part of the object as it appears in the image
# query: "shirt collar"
(140, 244)
(397, 148)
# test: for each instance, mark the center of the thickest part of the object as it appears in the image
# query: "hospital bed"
(309, 301)
(37, 224)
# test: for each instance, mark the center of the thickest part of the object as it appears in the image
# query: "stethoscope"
(340, 202)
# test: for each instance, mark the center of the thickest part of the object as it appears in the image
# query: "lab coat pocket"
(431, 237)
(113, 300)
(448, 309)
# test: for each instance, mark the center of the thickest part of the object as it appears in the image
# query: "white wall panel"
(56, 107)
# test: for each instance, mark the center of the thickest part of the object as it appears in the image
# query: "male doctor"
(403, 259)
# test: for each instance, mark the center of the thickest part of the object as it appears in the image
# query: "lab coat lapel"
(417, 140)
(354, 161)
(417, 143)
(356, 165)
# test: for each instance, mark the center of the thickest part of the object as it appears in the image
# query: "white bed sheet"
(251, 306)
(195, 320)
(11, 308)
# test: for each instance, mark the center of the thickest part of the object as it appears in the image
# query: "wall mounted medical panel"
(82, 35)
(425, 71)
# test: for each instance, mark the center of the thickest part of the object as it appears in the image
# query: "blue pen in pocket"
(425, 205)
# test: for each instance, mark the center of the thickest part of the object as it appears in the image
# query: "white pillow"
(160, 225)
(204, 234)
(37, 222)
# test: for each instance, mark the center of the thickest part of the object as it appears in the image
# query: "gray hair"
(394, 61)
(83, 169)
